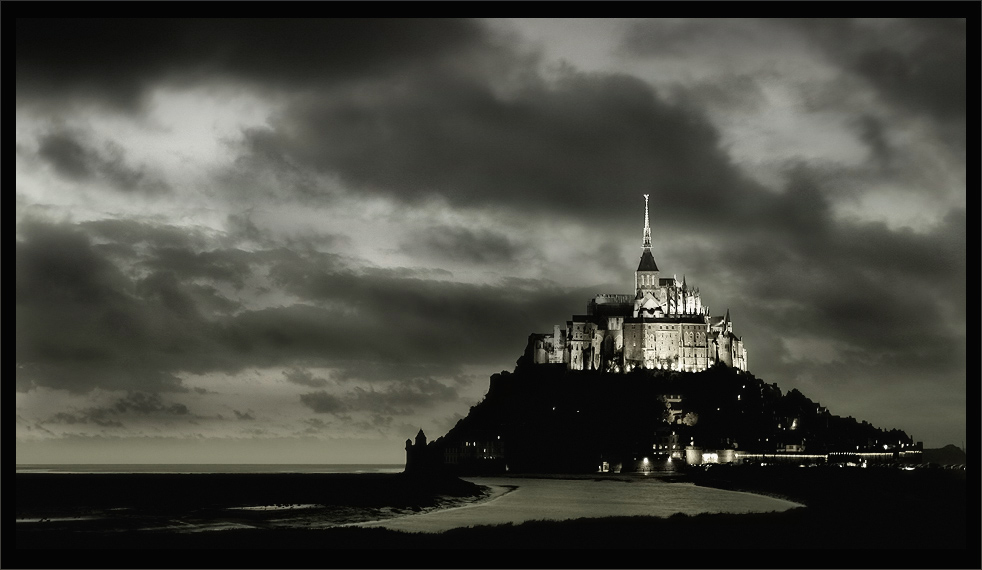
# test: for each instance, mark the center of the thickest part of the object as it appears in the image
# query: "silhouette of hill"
(544, 418)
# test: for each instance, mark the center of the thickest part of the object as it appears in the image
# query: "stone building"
(663, 325)
(418, 460)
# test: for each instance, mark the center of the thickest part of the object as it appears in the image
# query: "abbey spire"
(647, 260)
(647, 228)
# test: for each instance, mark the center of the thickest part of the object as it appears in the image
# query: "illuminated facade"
(663, 325)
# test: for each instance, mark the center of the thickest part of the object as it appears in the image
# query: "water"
(516, 500)
(210, 468)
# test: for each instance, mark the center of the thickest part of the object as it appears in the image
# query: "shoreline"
(494, 493)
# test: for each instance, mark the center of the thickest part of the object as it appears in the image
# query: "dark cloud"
(245, 416)
(878, 297)
(134, 404)
(242, 225)
(463, 244)
(67, 156)
(583, 147)
(164, 288)
(559, 146)
(81, 322)
(386, 273)
(304, 378)
(399, 319)
(242, 228)
(228, 265)
(402, 398)
(580, 145)
(316, 424)
(660, 38)
(73, 158)
(918, 66)
(183, 299)
(211, 302)
(395, 399)
(381, 371)
(872, 132)
(322, 402)
(117, 61)
(55, 263)
(133, 232)
(143, 403)
(927, 74)
(96, 416)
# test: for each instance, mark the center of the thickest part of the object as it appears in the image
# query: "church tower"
(646, 277)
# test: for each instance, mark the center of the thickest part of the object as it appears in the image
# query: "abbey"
(663, 325)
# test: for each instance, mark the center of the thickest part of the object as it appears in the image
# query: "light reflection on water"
(523, 499)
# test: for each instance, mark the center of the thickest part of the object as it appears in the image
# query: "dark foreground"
(876, 508)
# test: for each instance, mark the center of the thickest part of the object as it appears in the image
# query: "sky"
(279, 241)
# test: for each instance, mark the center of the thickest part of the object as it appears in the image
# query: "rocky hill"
(546, 418)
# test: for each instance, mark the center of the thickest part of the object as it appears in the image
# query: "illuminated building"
(663, 325)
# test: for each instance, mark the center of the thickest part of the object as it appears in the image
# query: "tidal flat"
(877, 508)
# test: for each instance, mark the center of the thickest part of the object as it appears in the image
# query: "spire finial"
(647, 229)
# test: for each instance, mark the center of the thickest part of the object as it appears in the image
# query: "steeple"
(647, 260)
(647, 228)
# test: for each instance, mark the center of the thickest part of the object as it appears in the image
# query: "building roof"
(647, 261)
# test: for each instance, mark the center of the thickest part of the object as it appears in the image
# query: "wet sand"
(516, 500)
